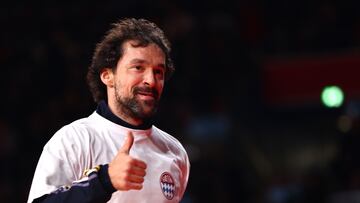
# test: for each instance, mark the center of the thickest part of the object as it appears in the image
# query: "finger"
(137, 171)
(138, 163)
(136, 179)
(129, 141)
(134, 186)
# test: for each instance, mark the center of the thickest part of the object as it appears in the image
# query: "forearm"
(96, 188)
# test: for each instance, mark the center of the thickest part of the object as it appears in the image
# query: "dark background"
(244, 101)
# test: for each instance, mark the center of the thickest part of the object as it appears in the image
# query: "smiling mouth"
(146, 95)
(146, 92)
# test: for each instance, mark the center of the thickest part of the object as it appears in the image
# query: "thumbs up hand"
(126, 173)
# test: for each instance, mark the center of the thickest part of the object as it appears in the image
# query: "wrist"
(105, 178)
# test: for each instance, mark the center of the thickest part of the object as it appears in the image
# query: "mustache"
(150, 90)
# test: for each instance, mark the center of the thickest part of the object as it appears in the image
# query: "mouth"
(146, 93)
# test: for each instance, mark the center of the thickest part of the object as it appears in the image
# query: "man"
(116, 154)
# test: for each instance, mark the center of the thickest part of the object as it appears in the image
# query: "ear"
(107, 77)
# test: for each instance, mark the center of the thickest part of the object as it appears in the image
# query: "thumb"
(128, 143)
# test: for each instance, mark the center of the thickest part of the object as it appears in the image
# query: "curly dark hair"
(110, 50)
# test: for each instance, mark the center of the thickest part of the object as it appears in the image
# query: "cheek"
(122, 89)
(160, 88)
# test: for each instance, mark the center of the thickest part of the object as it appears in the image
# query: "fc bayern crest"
(167, 185)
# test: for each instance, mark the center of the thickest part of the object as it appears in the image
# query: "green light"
(332, 96)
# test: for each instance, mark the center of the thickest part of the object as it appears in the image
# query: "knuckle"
(126, 176)
(128, 186)
(129, 168)
(121, 186)
(124, 186)
(129, 161)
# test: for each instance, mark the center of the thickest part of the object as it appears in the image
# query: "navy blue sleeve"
(96, 188)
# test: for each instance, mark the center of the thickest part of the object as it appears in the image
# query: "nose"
(149, 78)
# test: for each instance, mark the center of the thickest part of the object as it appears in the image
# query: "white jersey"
(94, 140)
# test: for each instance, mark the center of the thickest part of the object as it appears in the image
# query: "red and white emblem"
(167, 185)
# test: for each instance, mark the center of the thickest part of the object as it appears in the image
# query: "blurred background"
(265, 98)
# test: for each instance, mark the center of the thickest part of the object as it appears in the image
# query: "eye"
(138, 67)
(159, 72)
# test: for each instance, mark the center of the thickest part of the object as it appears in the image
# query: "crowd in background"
(241, 150)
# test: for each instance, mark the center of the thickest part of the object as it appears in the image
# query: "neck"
(119, 112)
(128, 119)
(104, 110)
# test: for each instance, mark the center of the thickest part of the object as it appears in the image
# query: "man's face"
(139, 80)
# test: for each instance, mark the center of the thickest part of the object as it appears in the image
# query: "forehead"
(151, 53)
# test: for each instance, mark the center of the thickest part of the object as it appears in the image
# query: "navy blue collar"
(104, 111)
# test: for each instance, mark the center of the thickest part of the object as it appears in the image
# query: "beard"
(134, 107)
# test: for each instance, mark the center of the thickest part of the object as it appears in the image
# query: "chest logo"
(167, 185)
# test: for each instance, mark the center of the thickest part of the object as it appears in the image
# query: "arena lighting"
(332, 96)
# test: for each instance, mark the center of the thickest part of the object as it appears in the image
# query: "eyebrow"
(141, 61)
